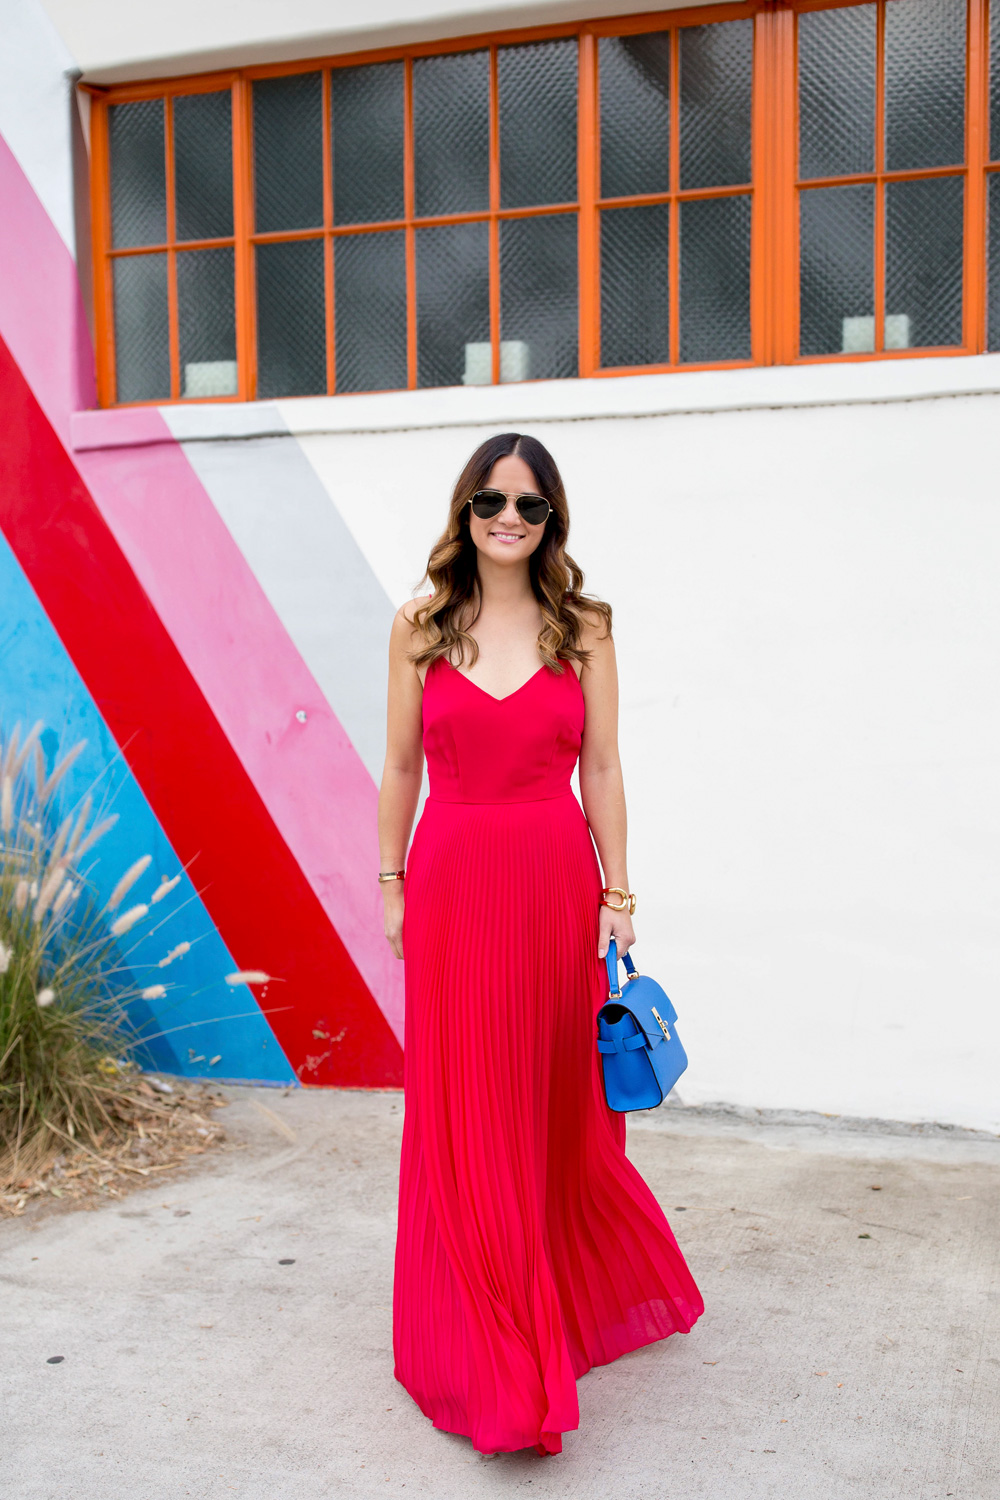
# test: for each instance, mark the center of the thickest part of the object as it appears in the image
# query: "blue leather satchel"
(637, 1040)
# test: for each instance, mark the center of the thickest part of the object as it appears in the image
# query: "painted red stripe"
(265, 910)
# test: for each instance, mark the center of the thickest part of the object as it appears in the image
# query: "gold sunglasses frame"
(527, 495)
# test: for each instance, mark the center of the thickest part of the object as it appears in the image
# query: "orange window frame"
(774, 190)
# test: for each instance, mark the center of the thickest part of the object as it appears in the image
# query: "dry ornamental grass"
(77, 1116)
(157, 1126)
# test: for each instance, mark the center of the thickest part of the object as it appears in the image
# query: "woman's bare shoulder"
(404, 629)
(407, 611)
(595, 629)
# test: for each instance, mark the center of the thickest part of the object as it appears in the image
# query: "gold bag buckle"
(660, 1022)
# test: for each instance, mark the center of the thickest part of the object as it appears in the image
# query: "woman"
(529, 1248)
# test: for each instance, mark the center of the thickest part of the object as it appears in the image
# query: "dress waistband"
(501, 801)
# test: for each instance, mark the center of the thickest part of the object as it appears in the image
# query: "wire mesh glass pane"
(206, 317)
(537, 84)
(453, 305)
(291, 323)
(923, 263)
(142, 332)
(635, 285)
(367, 143)
(635, 114)
(538, 297)
(138, 173)
(837, 258)
(993, 254)
(715, 279)
(994, 82)
(370, 308)
(924, 83)
(837, 91)
(451, 133)
(716, 87)
(288, 152)
(203, 165)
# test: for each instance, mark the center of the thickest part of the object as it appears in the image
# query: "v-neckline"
(493, 696)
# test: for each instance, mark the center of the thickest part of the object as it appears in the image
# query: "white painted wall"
(808, 624)
(118, 40)
(35, 101)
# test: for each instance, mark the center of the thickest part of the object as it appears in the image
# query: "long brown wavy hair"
(443, 621)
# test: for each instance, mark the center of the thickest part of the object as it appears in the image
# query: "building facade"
(265, 282)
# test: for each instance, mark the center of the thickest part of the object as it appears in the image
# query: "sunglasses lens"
(488, 503)
(533, 509)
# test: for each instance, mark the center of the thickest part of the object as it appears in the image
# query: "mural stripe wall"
(198, 680)
(253, 887)
(201, 1025)
(316, 578)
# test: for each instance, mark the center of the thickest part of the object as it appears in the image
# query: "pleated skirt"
(528, 1248)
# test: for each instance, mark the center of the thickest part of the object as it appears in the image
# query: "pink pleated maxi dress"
(528, 1247)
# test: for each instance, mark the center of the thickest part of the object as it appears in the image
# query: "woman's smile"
(507, 537)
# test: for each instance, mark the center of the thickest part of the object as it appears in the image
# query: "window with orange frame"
(741, 184)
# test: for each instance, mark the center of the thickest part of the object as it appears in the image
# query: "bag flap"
(642, 997)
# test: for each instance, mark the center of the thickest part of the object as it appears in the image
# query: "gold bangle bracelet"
(626, 903)
(387, 876)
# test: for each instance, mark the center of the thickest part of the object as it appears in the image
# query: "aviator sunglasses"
(531, 508)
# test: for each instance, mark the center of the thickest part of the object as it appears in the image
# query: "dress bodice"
(521, 748)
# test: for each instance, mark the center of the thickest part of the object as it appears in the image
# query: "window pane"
(370, 310)
(453, 305)
(924, 83)
(715, 279)
(993, 305)
(451, 133)
(367, 143)
(142, 335)
(716, 88)
(995, 82)
(635, 114)
(538, 304)
(635, 294)
(538, 87)
(923, 256)
(291, 327)
(288, 152)
(837, 239)
(203, 165)
(837, 91)
(207, 323)
(138, 174)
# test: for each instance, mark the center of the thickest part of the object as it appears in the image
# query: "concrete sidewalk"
(849, 1347)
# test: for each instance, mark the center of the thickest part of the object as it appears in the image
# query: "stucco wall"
(807, 625)
(802, 565)
(803, 568)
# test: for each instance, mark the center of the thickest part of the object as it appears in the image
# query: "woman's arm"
(602, 790)
(404, 762)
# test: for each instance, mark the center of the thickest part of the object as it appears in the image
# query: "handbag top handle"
(614, 988)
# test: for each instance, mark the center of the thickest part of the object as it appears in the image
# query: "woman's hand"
(617, 925)
(392, 902)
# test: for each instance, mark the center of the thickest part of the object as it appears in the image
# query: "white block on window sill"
(210, 377)
(858, 334)
(515, 362)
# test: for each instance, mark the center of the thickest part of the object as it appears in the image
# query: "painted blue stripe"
(200, 1017)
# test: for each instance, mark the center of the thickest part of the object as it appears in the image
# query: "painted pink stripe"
(124, 427)
(42, 316)
(307, 772)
